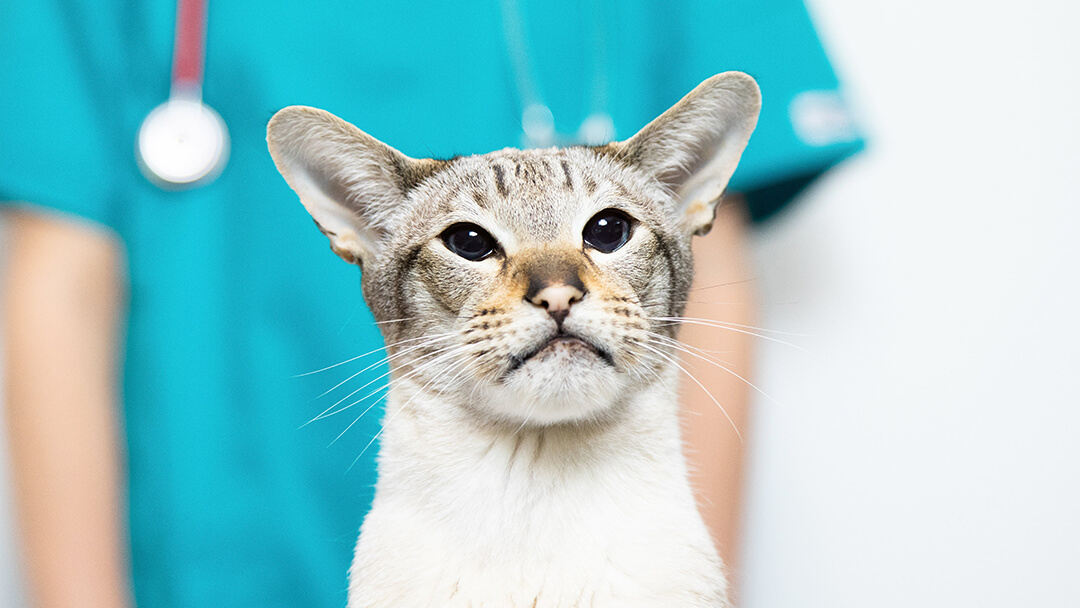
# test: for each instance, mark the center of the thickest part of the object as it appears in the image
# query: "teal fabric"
(233, 500)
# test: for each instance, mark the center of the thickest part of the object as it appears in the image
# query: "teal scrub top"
(234, 293)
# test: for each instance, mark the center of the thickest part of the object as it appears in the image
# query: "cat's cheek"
(646, 268)
(451, 282)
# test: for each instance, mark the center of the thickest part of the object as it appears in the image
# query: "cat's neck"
(445, 447)
(502, 515)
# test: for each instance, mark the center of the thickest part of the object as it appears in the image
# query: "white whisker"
(687, 349)
(730, 326)
(525, 421)
(691, 376)
(728, 284)
(370, 352)
(402, 320)
(399, 410)
(327, 412)
(410, 349)
(751, 327)
(413, 372)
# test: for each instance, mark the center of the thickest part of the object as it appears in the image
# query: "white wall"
(927, 452)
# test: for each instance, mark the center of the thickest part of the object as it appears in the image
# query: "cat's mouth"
(554, 345)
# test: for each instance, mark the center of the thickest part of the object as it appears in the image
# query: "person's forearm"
(722, 294)
(61, 311)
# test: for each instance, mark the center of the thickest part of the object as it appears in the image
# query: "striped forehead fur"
(528, 181)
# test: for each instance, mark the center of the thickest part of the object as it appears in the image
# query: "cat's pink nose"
(557, 300)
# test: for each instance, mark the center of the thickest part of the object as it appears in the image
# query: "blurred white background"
(927, 452)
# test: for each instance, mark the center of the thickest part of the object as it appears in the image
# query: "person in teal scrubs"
(197, 313)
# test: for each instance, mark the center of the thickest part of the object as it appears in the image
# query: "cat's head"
(532, 285)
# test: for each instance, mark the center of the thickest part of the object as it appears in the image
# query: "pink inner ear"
(348, 181)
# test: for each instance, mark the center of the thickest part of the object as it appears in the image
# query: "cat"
(530, 454)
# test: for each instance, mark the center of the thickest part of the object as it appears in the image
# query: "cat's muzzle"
(560, 343)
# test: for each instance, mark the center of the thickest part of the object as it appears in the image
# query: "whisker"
(402, 320)
(363, 413)
(384, 360)
(751, 327)
(399, 410)
(649, 372)
(464, 368)
(691, 376)
(532, 408)
(705, 350)
(409, 374)
(665, 303)
(327, 412)
(370, 352)
(730, 326)
(680, 344)
(351, 424)
(687, 349)
(729, 283)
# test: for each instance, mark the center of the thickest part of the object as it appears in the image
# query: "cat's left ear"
(350, 182)
(694, 147)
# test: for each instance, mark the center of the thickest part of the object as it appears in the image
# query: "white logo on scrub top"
(821, 118)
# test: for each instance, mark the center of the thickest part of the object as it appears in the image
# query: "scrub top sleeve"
(56, 150)
(806, 126)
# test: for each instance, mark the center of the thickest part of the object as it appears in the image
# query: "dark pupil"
(607, 232)
(469, 242)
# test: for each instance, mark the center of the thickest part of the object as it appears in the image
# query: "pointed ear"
(350, 182)
(694, 147)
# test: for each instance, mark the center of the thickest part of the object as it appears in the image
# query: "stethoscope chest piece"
(182, 143)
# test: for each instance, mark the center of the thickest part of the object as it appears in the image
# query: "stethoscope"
(183, 142)
(537, 121)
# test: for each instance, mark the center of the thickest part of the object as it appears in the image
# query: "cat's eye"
(469, 241)
(607, 230)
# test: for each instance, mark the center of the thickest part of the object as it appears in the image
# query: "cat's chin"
(563, 380)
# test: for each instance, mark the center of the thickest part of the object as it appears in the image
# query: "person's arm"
(723, 291)
(64, 292)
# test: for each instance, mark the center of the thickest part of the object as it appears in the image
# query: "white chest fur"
(588, 515)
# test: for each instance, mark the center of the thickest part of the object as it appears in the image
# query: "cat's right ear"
(350, 182)
(693, 148)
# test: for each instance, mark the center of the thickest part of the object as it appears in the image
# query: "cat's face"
(539, 272)
(528, 286)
